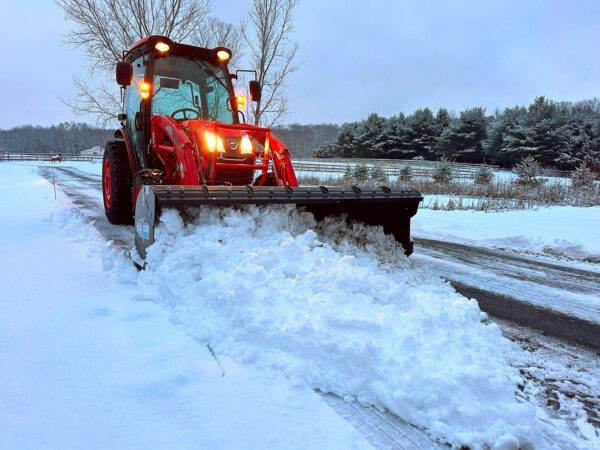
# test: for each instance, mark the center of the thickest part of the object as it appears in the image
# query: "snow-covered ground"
(95, 354)
(557, 231)
(87, 361)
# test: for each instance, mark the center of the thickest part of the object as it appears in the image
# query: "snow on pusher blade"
(391, 208)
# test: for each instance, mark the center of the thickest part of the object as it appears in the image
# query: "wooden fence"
(391, 167)
(46, 157)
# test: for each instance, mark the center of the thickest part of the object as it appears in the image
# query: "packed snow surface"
(86, 361)
(343, 311)
(559, 231)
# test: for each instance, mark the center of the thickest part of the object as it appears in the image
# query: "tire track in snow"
(86, 194)
(536, 294)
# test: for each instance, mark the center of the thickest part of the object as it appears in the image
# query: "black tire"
(117, 180)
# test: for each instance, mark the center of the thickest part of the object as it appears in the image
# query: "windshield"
(190, 89)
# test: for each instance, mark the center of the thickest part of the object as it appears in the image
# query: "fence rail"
(392, 167)
(46, 157)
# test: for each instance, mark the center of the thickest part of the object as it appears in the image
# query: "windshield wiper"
(210, 72)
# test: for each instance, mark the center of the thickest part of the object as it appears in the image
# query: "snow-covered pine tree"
(360, 172)
(443, 172)
(369, 137)
(528, 170)
(347, 140)
(547, 133)
(406, 173)
(483, 175)
(325, 150)
(470, 133)
(378, 174)
(514, 131)
(422, 133)
(582, 178)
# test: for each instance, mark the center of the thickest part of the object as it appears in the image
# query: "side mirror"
(124, 73)
(255, 90)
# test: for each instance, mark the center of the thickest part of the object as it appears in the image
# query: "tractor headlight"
(213, 142)
(246, 145)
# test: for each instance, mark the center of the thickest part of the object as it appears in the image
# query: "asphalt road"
(558, 300)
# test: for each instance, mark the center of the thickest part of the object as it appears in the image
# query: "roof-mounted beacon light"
(162, 47)
(223, 54)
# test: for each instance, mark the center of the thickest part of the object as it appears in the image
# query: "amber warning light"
(240, 101)
(145, 90)
(223, 55)
(162, 47)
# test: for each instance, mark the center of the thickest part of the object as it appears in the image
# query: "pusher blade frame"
(391, 208)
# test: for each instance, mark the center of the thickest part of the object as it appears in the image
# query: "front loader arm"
(279, 156)
(175, 150)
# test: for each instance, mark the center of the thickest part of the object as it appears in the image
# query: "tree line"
(302, 140)
(73, 137)
(557, 134)
(68, 138)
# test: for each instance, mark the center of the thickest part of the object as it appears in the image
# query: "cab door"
(133, 110)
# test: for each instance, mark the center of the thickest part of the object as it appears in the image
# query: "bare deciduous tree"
(98, 100)
(217, 33)
(271, 55)
(104, 28)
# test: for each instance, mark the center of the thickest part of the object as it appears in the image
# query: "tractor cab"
(191, 86)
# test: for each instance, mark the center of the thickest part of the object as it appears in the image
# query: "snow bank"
(345, 313)
(563, 231)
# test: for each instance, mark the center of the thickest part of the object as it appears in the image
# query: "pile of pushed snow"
(345, 313)
(563, 231)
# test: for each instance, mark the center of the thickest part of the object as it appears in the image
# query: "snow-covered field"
(238, 317)
(558, 231)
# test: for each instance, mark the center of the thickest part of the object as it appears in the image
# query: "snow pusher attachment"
(182, 145)
(391, 208)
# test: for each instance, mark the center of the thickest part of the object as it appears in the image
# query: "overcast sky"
(357, 57)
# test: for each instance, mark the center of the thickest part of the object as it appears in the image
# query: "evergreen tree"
(442, 120)
(528, 170)
(582, 178)
(463, 140)
(546, 130)
(399, 138)
(347, 143)
(515, 134)
(422, 133)
(471, 132)
(370, 137)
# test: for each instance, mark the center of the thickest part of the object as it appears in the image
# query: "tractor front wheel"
(117, 180)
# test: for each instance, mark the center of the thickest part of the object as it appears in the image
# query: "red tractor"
(182, 145)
